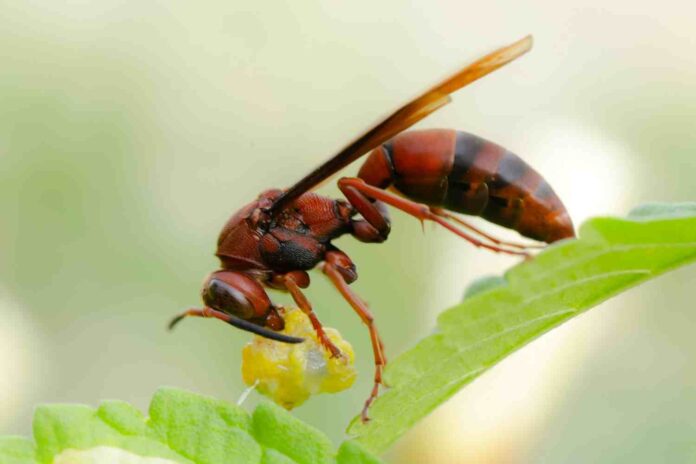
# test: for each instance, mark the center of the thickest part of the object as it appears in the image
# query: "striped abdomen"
(467, 174)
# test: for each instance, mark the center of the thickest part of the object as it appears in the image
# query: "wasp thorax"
(260, 219)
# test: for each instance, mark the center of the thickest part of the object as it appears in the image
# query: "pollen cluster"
(290, 373)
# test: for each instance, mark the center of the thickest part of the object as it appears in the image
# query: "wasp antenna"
(236, 322)
(262, 331)
(176, 320)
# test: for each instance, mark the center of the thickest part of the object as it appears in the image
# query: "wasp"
(429, 174)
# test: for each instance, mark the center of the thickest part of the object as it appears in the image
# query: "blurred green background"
(130, 131)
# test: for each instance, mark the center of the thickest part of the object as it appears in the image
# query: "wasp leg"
(341, 271)
(306, 307)
(346, 269)
(376, 225)
(452, 217)
(419, 211)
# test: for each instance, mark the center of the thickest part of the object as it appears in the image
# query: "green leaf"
(277, 429)
(204, 430)
(352, 452)
(566, 279)
(61, 427)
(182, 428)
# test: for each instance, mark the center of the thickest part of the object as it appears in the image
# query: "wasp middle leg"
(340, 270)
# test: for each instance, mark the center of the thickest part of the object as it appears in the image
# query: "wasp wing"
(403, 118)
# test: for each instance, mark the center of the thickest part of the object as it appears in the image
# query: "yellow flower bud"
(290, 373)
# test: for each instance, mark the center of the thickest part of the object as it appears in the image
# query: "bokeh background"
(130, 131)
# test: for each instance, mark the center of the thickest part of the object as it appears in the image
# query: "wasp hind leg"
(375, 225)
(421, 212)
(454, 218)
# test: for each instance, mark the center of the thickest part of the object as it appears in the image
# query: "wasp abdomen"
(470, 175)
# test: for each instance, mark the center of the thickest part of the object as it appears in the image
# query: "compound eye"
(223, 297)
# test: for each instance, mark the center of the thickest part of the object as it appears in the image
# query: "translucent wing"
(403, 118)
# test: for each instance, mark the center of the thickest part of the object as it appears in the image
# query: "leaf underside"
(501, 315)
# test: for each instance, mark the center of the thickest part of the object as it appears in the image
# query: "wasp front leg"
(293, 282)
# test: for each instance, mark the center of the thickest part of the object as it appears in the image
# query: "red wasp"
(274, 240)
